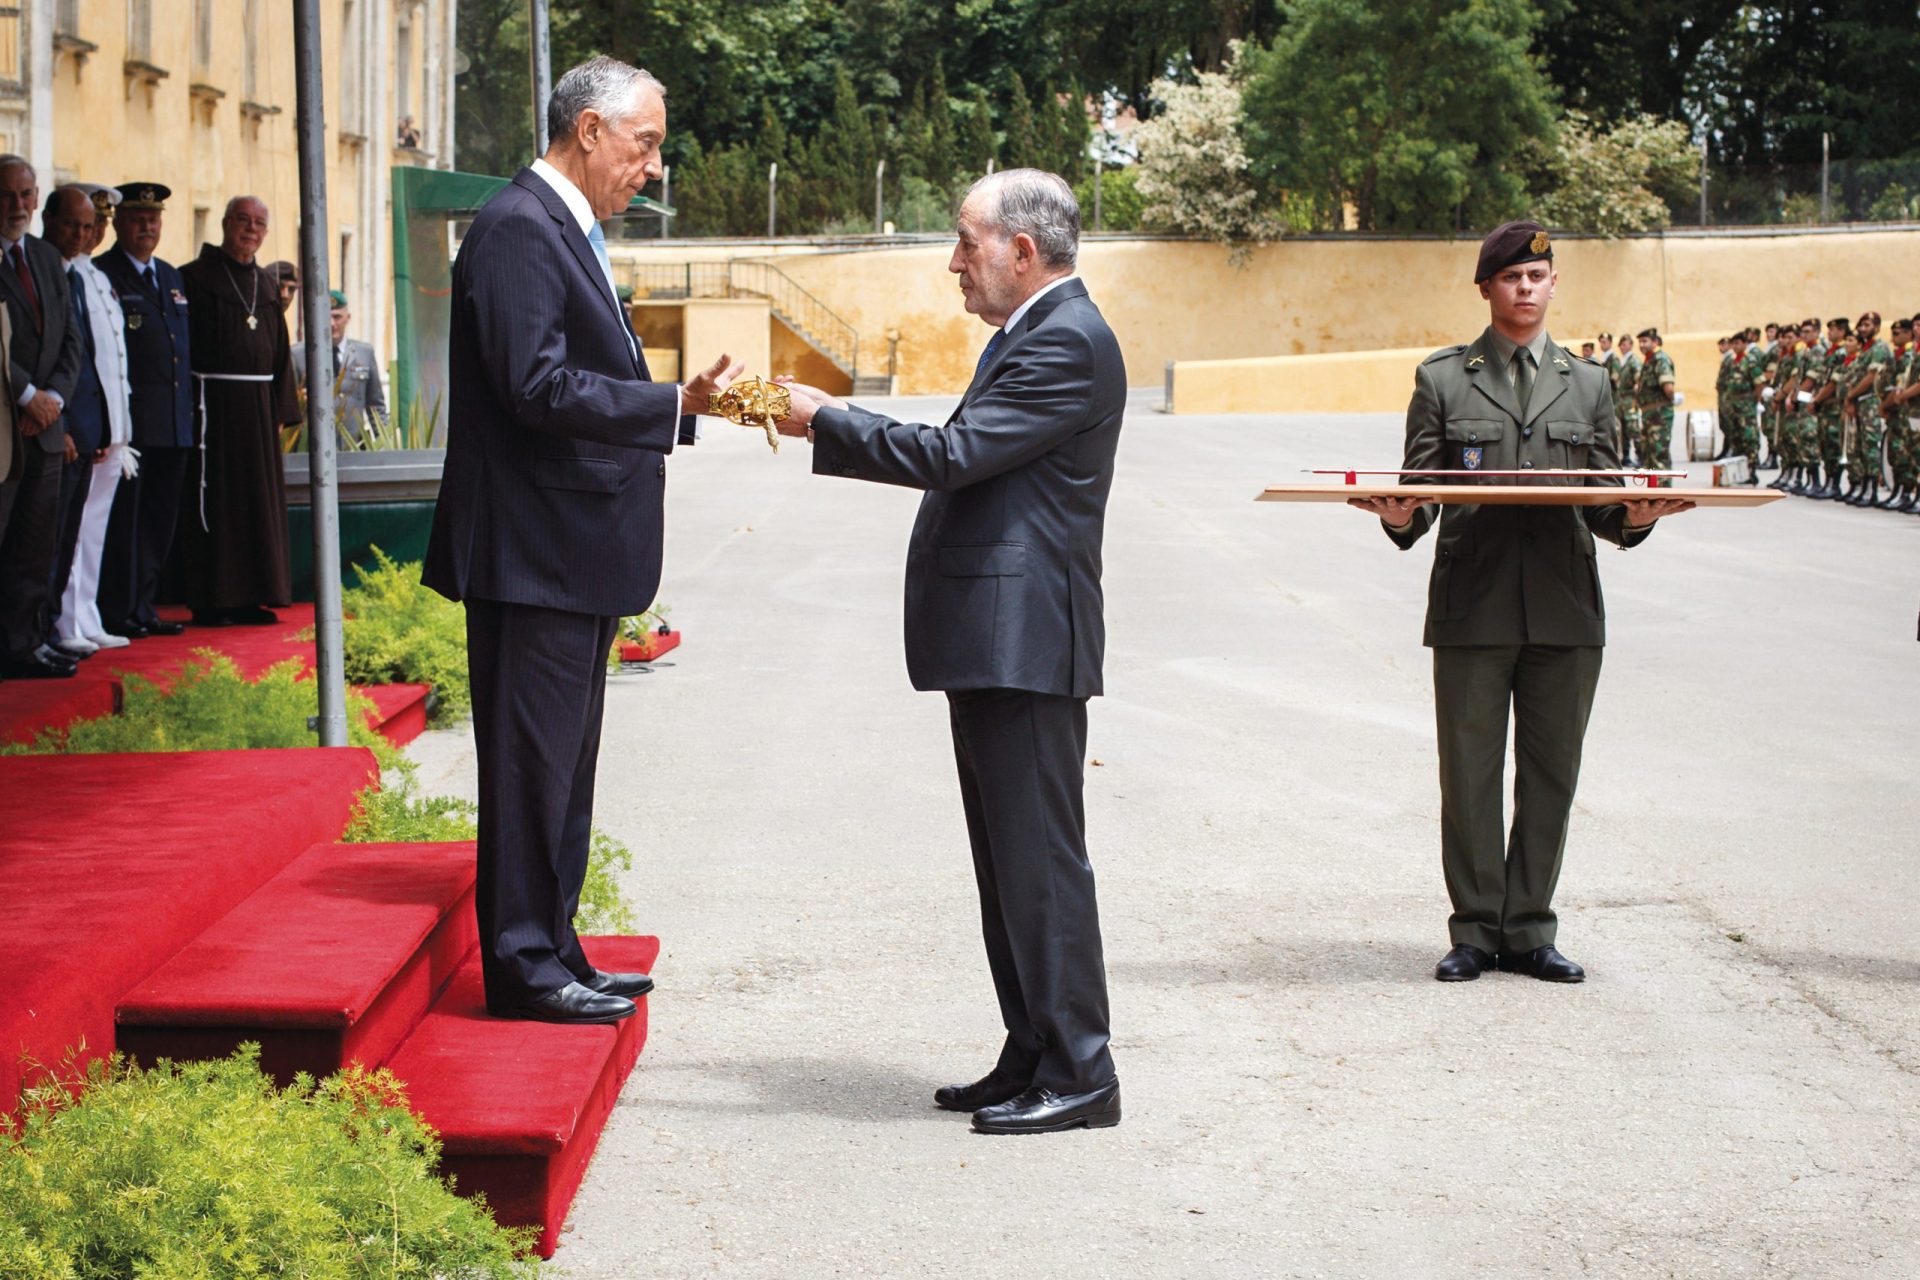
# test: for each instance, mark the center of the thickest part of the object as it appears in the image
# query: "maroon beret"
(1511, 244)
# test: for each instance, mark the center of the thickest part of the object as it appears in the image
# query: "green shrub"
(396, 813)
(206, 1170)
(397, 631)
(211, 707)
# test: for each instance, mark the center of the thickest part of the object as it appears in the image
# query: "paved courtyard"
(1734, 1092)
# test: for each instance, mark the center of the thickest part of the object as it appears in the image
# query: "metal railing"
(799, 310)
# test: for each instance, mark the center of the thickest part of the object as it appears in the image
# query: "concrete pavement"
(1734, 1092)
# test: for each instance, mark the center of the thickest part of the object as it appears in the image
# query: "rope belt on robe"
(203, 379)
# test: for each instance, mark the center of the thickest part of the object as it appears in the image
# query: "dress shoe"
(1544, 963)
(106, 640)
(75, 647)
(130, 629)
(161, 627)
(571, 1003)
(989, 1090)
(1044, 1111)
(630, 985)
(1462, 964)
(44, 663)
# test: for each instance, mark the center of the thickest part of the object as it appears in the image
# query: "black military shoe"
(1462, 964)
(572, 1003)
(1044, 1111)
(989, 1090)
(1544, 963)
(161, 627)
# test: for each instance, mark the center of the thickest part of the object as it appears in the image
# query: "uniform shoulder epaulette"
(1444, 352)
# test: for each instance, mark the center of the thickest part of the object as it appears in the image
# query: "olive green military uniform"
(1809, 429)
(1653, 396)
(1903, 446)
(1830, 430)
(1626, 383)
(1869, 370)
(1720, 396)
(1516, 624)
(1773, 363)
(1742, 423)
(1790, 381)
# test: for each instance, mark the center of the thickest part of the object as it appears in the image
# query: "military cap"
(1511, 244)
(144, 195)
(339, 299)
(104, 198)
(284, 272)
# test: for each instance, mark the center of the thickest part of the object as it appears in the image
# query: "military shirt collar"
(1502, 348)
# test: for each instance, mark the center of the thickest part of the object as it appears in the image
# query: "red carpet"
(332, 961)
(520, 1105)
(29, 706)
(114, 862)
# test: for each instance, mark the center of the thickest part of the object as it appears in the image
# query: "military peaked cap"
(1511, 244)
(144, 195)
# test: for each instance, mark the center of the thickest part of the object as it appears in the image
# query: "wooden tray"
(1517, 495)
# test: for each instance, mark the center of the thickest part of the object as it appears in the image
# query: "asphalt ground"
(1735, 1091)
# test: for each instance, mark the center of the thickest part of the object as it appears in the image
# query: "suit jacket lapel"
(1488, 378)
(575, 239)
(16, 300)
(1551, 382)
(1035, 314)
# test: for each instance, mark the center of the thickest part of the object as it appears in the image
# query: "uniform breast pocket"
(1568, 443)
(1477, 444)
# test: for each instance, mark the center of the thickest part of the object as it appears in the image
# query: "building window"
(202, 38)
(66, 17)
(250, 52)
(140, 31)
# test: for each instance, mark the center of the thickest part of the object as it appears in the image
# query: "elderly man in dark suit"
(44, 361)
(1003, 613)
(1514, 615)
(549, 521)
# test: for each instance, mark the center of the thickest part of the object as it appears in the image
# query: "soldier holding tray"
(1514, 614)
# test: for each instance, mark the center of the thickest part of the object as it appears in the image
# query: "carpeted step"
(334, 960)
(520, 1105)
(30, 707)
(399, 710)
(112, 863)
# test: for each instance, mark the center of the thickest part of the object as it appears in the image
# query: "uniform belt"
(203, 379)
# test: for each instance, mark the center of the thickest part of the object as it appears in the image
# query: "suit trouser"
(27, 551)
(1501, 882)
(1021, 759)
(76, 482)
(79, 608)
(146, 512)
(539, 685)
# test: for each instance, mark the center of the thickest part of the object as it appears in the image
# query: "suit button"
(662, 473)
(1526, 433)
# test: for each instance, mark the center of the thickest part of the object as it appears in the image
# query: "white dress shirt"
(1027, 306)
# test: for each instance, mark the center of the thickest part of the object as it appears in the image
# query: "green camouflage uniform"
(1720, 395)
(1773, 373)
(1791, 382)
(1829, 430)
(1870, 370)
(1903, 449)
(1626, 377)
(1656, 411)
(1742, 421)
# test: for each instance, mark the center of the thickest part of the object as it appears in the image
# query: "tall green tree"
(1410, 112)
(978, 146)
(940, 132)
(1023, 139)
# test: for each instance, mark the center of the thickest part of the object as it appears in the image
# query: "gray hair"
(602, 84)
(1038, 203)
(9, 160)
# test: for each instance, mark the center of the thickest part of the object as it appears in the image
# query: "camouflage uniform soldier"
(1829, 431)
(1626, 375)
(1742, 421)
(1896, 406)
(1720, 413)
(1862, 408)
(1788, 381)
(1810, 376)
(1655, 397)
(1773, 362)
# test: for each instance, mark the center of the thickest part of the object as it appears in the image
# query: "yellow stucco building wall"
(1183, 301)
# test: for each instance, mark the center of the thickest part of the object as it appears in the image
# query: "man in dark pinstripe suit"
(549, 521)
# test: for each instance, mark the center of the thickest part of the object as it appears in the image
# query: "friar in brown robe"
(233, 539)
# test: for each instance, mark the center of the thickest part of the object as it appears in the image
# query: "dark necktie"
(986, 356)
(147, 278)
(20, 268)
(1522, 378)
(79, 288)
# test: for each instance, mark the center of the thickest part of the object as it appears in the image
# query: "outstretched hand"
(1397, 512)
(807, 401)
(1642, 512)
(697, 392)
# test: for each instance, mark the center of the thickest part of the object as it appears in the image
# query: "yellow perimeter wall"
(1185, 301)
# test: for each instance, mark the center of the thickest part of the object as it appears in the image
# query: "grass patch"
(397, 631)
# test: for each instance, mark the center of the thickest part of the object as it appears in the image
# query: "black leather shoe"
(208, 618)
(571, 1003)
(630, 985)
(1462, 964)
(159, 627)
(989, 1090)
(43, 663)
(1044, 1111)
(130, 629)
(1544, 963)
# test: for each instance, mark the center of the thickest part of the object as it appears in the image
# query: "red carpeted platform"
(27, 707)
(520, 1105)
(112, 863)
(334, 960)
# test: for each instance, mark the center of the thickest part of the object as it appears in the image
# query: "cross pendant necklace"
(253, 321)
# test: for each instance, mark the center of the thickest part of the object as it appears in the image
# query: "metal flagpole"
(329, 657)
(542, 58)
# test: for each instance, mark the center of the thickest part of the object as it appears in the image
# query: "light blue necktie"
(598, 239)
